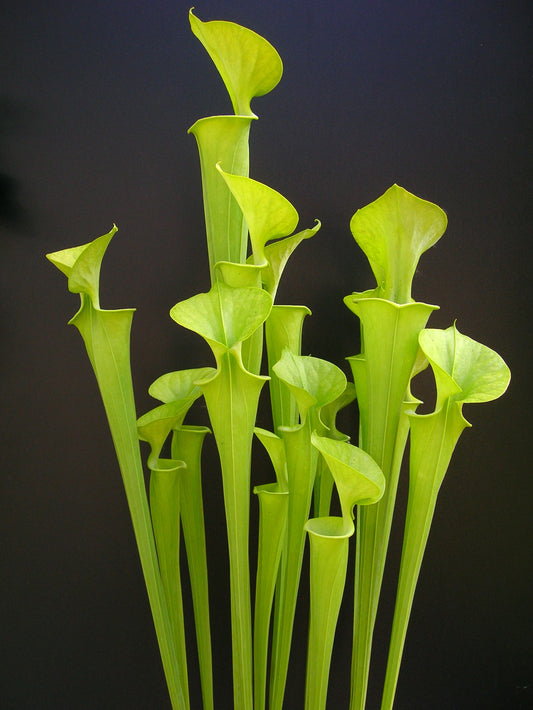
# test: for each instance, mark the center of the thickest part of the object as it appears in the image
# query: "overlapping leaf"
(313, 382)
(465, 372)
(225, 316)
(269, 216)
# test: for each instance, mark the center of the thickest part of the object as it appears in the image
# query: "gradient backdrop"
(95, 100)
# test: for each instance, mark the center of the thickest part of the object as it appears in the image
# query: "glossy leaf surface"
(225, 316)
(465, 372)
(464, 369)
(283, 329)
(394, 231)
(313, 382)
(180, 385)
(269, 216)
(273, 504)
(247, 63)
(381, 375)
(187, 446)
(106, 335)
(358, 480)
(223, 139)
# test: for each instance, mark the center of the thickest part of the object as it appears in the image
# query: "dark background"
(95, 100)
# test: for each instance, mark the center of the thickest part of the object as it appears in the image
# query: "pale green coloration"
(277, 254)
(106, 335)
(247, 63)
(273, 508)
(245, 276)
(328, 545)
(269, 216)
(225, 317)
(283, 329)
(164, 509)
(394, 231)
(465, 372)
(223, 139)
(187, 446)
(178, 391)
(239, 275)
(155, 427)
(358, 480)
(324, 479)
(283, 333)
(276, 450)
(180, 386)
(307, 451)
(249, 67)
(381, 375)
(232, 397)
(314, 383)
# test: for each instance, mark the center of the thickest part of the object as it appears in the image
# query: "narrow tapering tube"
(381, 375)
(328, 538)
(223, 140)
(187, 446)
(272, 523)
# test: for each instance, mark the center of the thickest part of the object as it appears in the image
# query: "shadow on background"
(14, 214)
(434, 96)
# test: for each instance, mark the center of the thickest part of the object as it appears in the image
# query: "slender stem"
(419, 516)
(272, 525)
(381, 375)
(329, 561)
(165, 510)
(433, 439)
(186, 446)
(106, 335)
(224, 140)
(232, 396)
(301, 467)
